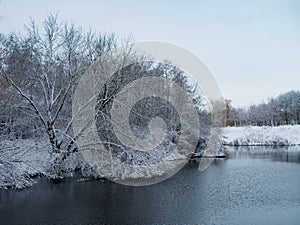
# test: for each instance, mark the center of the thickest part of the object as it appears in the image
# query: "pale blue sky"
(252, 47)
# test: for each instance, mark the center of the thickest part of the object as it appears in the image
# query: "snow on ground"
(22, 160)
(265, 135)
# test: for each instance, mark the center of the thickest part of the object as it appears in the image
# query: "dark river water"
(255, 185)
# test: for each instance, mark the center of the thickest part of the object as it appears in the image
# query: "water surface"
(255, 185)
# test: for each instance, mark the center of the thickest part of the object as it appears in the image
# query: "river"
(255, 185)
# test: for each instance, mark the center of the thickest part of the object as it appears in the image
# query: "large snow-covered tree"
(39, 71)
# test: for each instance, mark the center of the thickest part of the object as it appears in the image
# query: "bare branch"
(29, 100)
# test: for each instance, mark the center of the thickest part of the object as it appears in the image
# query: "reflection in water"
(283, 154)
(254, 186)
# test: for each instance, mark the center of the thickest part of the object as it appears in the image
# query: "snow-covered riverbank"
(20, 161)
(269, 136)
(23, 160)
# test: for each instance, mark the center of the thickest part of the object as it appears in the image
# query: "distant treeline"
(281, 110)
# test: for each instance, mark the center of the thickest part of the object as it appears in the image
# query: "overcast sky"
(252, 47)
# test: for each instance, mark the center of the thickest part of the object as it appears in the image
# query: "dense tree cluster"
(39, 72)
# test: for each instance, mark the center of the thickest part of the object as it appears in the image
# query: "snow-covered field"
(253, 135)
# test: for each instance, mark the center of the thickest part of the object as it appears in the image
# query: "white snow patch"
(265, 135)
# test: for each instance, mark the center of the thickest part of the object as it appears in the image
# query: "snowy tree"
(42, 68)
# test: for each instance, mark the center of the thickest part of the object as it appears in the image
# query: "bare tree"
(43, 68)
